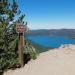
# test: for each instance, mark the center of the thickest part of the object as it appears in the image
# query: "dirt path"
(59, 61)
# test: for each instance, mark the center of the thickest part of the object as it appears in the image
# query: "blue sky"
(48, 14)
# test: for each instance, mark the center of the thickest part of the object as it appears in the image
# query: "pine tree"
(8, 36)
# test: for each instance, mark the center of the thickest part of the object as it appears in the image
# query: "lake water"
(51, 41)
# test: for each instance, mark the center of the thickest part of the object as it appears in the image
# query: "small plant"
(30, 51)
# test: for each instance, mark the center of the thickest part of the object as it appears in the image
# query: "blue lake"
(51, 41)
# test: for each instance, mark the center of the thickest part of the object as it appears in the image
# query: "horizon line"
(52, 28)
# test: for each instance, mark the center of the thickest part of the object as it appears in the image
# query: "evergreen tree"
(8, 36)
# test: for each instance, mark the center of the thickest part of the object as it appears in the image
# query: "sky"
(48, 14)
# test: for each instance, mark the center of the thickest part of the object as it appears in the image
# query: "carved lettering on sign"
(21, 28)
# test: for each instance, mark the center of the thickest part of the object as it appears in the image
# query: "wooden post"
(21, 48)
(21, 29)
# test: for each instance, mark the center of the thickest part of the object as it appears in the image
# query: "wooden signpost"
(21, 29)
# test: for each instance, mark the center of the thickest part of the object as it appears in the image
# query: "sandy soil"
(59, 61)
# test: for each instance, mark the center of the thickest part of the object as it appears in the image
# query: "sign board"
(20, 28)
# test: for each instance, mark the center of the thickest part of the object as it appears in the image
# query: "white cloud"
(39, 24)
(51, 26)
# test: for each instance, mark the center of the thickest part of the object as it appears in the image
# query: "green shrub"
(30, 51)
(9, 52)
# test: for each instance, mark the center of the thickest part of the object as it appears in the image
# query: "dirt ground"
(59, 61)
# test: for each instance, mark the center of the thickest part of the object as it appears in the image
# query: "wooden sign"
(20, 28)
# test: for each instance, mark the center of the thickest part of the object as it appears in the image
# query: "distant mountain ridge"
(53, 32)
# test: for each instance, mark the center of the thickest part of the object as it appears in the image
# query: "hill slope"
(59, 32)
(59, 61)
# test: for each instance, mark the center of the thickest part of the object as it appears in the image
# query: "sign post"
(20, 28)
